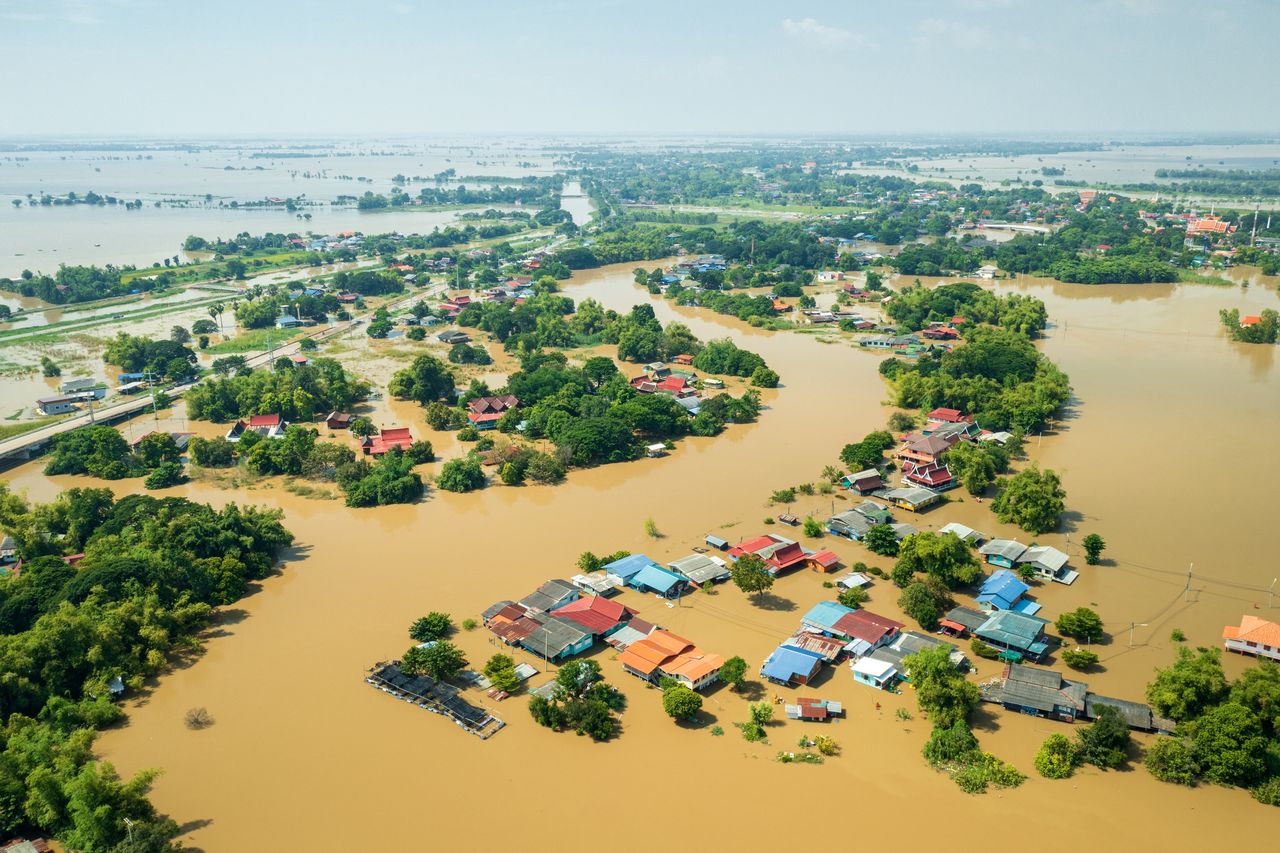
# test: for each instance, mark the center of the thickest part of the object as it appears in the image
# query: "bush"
(881, 540)
(468, 433)
(1172, 759)
(853, 597)
(1079, 658)
(166, 474)
(983, 650)
(461, 475)
(434, 626)
(1057, 757)
(1268, 793)
(812, 527)
(680, 702)
(783, 496)
(764, 377)
(950, 744)
(416, 333)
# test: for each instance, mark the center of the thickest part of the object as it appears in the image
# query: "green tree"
(1172, 759)
(426, 380)
(1105, 742)
(1057, 757)
(812, 527)
(441, 660)
(854, 596)
(1093, 547)
(1081, 623)
(1079, 658)
(750, 575)
(1031, 499)
(461, 475)
(680, 702)
(881, 540)
(950, 744)
(165, 475)
(941, 690)
(924, 603)
(764, 377)
(942, 556)
(362, 426)
(733, 671)
(1230, 745)
(434, 626)
(501, 672)
(1258, 689)
(1188, 687)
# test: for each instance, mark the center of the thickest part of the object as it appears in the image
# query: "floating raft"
(434, 696)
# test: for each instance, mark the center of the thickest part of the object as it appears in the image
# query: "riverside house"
(267, 426)
(1253, 636)
(1004, 591)
(664, 654)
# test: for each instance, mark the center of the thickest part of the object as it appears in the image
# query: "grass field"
(9, 430)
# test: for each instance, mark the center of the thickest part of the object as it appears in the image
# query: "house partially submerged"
(551, 595)
(1040, 692)
(814, 710)
(1003, 552)
(966, 534)
(912, 499)
(267, 426)
(596, 614)
(556, 638)
(659, 581)
(863, 482)
(391, 438)
(700, 569)
(1015, 632)
(791, 666)
(596, 583)
(1049, 563)
(625, 568)
(664, 654)
(339, 420)
(875, 672)
(485, 412)
(932, 475)
(1253, 636)
(1004, 591)
(962, 621)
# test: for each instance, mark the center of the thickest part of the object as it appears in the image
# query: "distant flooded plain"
(304, 755)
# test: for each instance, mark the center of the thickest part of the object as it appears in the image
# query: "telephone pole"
(1186, 592)
(1271, 593)
(1133, 625)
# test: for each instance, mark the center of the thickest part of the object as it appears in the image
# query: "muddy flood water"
(1162, 452)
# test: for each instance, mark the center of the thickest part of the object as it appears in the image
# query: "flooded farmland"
(304, 755)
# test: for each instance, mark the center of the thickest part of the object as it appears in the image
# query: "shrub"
(461, 475)
(983, 650)
(783, 496)
(1268, 793)
(853, 597)
(166, 474)
(1079, 658)
(1057, 757)
(1172, 759)
(812, 527)
(434, 626)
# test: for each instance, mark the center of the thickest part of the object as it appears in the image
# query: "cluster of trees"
(727, 358)
(165, 358)
(582, 702)
(936, 258)
(949, 699)
(1032, 499)
(151, 573)
(976, 464)
(388, 479)
(71, 284)
(1227, 733)
(942, 558)
(1266, 331)
(868, 453)
(101, 451)
(368, 282)
(916, 306)
(295, 392)
(739, 305)
(1104, 743)
(997, 375)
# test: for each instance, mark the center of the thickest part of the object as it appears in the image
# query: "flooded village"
(356, 490)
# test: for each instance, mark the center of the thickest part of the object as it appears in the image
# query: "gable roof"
(1013, 629)
(264, 420)
(867, 626)
(1010, 549)
(825, 614)
(1002, 589)
(656, 578)
(647, 654)
(1044, 557)
(554, 635)
(788, 662)
(625, 567)
(595, 613)
(1253, 629)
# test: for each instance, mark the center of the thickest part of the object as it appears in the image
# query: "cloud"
(816, 32)
(936, 32)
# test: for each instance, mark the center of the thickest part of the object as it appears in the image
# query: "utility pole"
(1133, 625)
(1271, 593)
(1186, 592)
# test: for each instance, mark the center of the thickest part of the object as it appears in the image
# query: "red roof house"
(397, 437)
(934, 475)
(951, 416)
(484, 412)
(1251, 320)
(597, 614)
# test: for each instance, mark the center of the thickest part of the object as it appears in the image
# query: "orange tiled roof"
(695, 665)
(1254, 630)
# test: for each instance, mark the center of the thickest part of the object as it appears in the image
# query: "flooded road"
(304, 755)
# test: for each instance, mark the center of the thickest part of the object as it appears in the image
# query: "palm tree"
(215, 313)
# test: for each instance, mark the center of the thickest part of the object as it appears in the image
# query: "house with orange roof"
(663, 654)
(1250, 320)
(1254, 636)
(383, 442)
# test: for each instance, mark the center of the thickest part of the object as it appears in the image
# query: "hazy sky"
(258, 67)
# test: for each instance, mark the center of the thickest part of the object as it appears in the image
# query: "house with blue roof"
(1004, 591)
(625, 568)
(655, 579)
(824, 615)
(790, 665)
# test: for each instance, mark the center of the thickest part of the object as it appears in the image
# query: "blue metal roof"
(1002, 589)
(825, 614)
(655, 578)
(629, 565)
(787, 662)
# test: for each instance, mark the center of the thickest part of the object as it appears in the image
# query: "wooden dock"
(434, 696)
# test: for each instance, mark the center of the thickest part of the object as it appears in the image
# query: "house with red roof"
(1250, 320)
(781, 554)
(951, 416)
(267, 426)
(933, 475)
(865, 631)
(925, 449)
(382, 443)
(485, 412)
(597, 614)
(941, 333)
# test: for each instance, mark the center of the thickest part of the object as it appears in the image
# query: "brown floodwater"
(304, 755)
